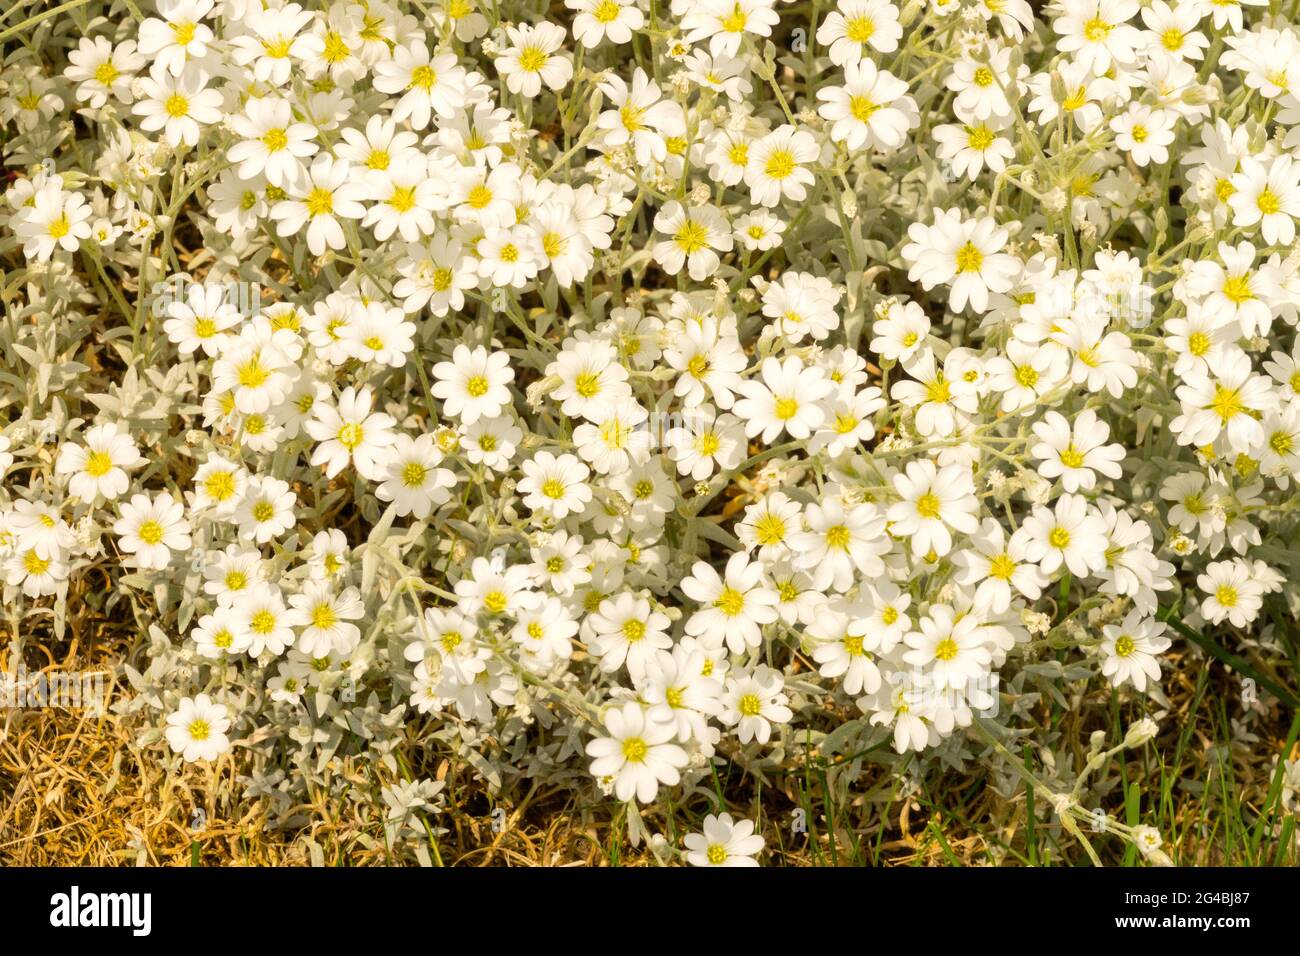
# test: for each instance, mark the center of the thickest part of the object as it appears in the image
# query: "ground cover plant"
(713, 432)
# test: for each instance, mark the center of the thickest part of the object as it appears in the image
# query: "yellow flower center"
(691, 236)
(859, 29)
(351, 435)
(413, 474)
(780, 164)
(1237, 289)
(320, 202)
(735, 21)
(1071, 457)
(176, 106)
(151, 532)
(969, 258)
(1096, 30)
(730, 602)
(98, 464)
(324, 617)
(1227, 403)
(274, 140)
(219, 485)
(531, 59)
(927, 506)
(979, 138)
(402, 199)
(838, 537)
(423, 77)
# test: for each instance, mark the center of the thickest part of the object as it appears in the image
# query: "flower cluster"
(634, 388)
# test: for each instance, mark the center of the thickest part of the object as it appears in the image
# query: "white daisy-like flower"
(196, 729)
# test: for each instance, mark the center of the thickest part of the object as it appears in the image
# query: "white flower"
(151, 529)
(734, 605)
(325, 619)
(787, 399)
(637, 753)
(964, 253)
(951, 648)
(532, 59)
(1220, 400)
(179, 36)
(196, 729)
(177, 104)
(696, 237)
(598, 20)
(1130, 650)
(723, 843)
(349, 431)
(1097, 32)
(266, 510)
(1071, 534)
(262, 616)
(840, 542)
(725, 22)
(220, 633)
(753, 702)
(412, 479)
(1145, 134)
(1233, 594)
(856, 24)
(776, 167)
(427, 85)
(1074, 454)
(201, 319)
(102, 70)
(591, 378)
(1267, 196)
(627, 631)
(934, 500)
(706, 440)
(273, 144)
(56, 220)
(555, 486)
(318, 199)
(98, 468)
